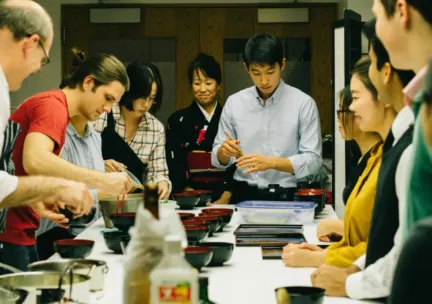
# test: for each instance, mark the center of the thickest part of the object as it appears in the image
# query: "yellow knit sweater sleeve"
(344, 256)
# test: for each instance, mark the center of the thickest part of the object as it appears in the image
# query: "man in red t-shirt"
(26, 34)
(91, 90)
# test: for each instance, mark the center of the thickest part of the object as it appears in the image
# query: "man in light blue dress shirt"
(83, 147)
(272, 129)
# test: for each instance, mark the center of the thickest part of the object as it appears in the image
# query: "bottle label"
(175, 292)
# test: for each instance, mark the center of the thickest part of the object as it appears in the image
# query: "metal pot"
(95, 269)
(108, 206)
(75, 286)
(11, 296)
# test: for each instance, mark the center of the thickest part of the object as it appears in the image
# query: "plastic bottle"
(173, 280)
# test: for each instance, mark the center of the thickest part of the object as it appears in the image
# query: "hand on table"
(163, 190)
(329, 229)
(50, 211)
(303, 255)
(306, 246)
(303, 258)
(332, 279)
(113, 166)
(255, 163)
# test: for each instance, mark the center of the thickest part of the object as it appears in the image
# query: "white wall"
(364, 8)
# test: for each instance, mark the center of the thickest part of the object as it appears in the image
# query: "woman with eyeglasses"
(133, 138)
(370, 116)
(350, 131)
(362, 141)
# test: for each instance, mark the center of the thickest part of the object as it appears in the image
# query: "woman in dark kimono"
(194, 129)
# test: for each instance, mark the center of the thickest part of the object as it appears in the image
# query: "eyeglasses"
(340, 113)
(46, 59)
(150, 101)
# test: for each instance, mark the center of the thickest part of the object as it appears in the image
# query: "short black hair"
(361, 69)
(382, 54)
(207, 65)
(263, 49)
(424, 7)
(141, 76)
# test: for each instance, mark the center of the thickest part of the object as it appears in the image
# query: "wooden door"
(179, 24)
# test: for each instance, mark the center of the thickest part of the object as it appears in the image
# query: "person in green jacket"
(405, 29)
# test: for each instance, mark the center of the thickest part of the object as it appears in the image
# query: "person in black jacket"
(194, 128)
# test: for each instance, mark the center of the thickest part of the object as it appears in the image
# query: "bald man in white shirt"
(26, 35)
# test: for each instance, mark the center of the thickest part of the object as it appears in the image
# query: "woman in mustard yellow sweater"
(370, 116)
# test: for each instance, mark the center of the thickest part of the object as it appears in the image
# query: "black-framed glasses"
(46, 59)
(341, 112)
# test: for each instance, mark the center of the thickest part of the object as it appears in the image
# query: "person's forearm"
(282, 164)
(101, 195)
(46, 163)
(31, 189)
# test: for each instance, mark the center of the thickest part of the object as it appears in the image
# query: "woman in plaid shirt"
(131, 136)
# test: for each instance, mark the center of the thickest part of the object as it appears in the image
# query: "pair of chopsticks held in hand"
(241, 152)
(230, 138)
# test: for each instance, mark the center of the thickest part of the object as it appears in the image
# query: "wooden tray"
(269, 230)
(271, 252)
(274, 240)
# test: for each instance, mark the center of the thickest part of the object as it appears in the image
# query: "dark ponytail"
(104, 69)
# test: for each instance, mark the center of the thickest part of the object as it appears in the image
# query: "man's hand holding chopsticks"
(255, 163)
(231, 148)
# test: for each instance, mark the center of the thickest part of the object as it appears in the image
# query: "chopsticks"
(230, 138)
(123, 203)
(118, 203)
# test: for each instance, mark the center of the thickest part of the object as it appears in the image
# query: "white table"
(246, 278)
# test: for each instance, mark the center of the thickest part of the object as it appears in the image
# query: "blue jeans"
(17, 256)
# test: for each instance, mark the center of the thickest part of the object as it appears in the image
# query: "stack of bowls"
(312, 195)
(209, 221)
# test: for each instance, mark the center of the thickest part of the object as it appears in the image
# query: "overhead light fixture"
(283, 15)
(115, 15)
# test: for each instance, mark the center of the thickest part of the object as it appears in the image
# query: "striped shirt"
(148, 142)
(84, 152)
